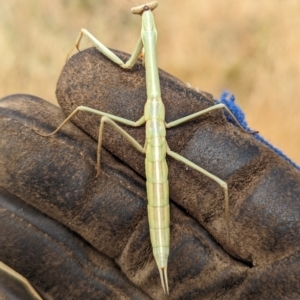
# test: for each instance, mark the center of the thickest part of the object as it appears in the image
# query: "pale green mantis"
(156, 147)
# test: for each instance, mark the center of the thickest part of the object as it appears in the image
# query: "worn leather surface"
(105, 218)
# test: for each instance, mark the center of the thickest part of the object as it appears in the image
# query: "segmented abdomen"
(158, 191)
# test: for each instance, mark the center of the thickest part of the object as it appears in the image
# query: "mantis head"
(138, 10)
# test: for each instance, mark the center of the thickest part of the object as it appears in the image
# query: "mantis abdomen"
(157, 185)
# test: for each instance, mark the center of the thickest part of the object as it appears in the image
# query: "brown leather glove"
(75, 236)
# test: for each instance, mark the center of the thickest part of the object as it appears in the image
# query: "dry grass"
(249, 47)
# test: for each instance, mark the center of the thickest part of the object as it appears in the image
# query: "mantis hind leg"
(115, 126)
(187, 162)
(107, 52)
(219, 181)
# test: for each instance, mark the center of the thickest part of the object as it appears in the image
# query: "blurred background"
(251, 48)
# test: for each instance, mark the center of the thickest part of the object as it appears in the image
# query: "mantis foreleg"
(107, 52)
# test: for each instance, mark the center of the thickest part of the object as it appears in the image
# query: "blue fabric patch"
(229, 100)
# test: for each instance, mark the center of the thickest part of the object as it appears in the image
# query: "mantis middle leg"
(106, 118)
(205, 111)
